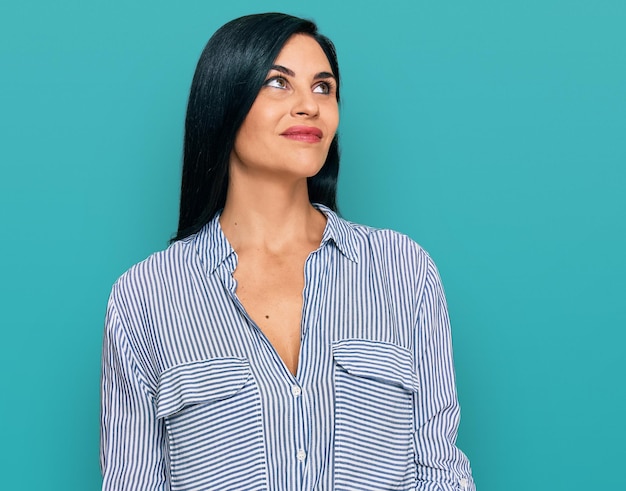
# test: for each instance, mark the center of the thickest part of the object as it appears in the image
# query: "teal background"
(492, 132)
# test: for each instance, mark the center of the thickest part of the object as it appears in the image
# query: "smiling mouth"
(308, 134)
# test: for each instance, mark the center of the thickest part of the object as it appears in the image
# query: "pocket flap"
(200, 382)
(377, 360)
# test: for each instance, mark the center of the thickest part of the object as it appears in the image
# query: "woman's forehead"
(302, 54)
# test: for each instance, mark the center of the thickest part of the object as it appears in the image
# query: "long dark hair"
(230, 72)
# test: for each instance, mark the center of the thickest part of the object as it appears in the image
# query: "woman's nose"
(305, 104)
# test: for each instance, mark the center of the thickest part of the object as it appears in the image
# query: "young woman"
(274, 345)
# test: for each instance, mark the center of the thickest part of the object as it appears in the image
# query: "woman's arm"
(441, 465)
(131, 444)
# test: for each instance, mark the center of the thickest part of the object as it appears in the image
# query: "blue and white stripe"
(194, 397)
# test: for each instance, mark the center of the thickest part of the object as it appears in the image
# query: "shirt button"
(295, 390)
(301, 455)
(463, 482)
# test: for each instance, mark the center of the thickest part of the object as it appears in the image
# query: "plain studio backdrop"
(492, 132)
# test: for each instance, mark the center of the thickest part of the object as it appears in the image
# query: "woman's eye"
(322, 88)
(277, 83)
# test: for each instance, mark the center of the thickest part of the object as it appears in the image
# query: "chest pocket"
(374, 387)
(211, 410)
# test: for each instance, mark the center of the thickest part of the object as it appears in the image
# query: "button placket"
(296, 392)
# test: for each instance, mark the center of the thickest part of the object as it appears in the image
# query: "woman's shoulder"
(394, 256)
(158, 269)
(386, 242)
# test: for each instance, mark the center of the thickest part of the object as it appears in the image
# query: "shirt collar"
(340, 232)
(213, 246)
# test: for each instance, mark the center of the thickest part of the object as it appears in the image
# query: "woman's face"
(293, 120)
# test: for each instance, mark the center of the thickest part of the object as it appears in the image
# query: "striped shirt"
(194, 396)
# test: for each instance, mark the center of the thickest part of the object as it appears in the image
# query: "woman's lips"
(309, 134)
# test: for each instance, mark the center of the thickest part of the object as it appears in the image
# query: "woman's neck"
(270, 216)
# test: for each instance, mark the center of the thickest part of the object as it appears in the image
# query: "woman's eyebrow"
(291, 73)
(282, 69)
(323, 75)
